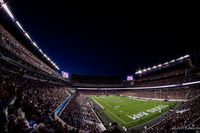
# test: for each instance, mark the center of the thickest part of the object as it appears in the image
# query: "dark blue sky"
(96, 39)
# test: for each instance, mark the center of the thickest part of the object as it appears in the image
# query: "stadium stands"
(79, 114)
(173, 74)
(181, 119)
(11, 45)
(166, 93)
(31, 91)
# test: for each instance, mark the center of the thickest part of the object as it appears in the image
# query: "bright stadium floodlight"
(138, 72)
(8, 11)
(40, 51)
(53, 63)
(172, 61)
(26, 34)
(159, 65)
(56, 66)
(166, 63)
(45, 55)
(35, 44)
(186, 56)
(48, 58)
(19, 25)
(154, 67)
(180, 58)
(144, 70)
(149, 69)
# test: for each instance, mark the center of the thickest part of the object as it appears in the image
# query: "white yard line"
(126, 116)
(98, 103)
(110, 112)
(117, 117)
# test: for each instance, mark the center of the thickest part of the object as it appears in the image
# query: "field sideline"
(128, 112)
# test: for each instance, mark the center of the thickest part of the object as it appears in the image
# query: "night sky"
(103, 39)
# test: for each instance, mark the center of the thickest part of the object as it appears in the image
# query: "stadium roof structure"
(26, 35)
(162, 65)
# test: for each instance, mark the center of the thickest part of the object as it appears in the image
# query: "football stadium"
(129, 112)
(40, 95)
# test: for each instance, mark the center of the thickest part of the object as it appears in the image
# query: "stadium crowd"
(27, 106)
(30, 91)
(181, 119)
(165, 93)
(182, 93)
(163, 81)
(9, 43)
(79, 114)
(172, 74)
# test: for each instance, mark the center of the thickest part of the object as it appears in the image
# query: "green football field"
(129, 112)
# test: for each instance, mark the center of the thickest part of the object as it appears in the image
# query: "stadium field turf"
(129, 112)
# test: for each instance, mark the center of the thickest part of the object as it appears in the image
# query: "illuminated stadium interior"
(38, 95)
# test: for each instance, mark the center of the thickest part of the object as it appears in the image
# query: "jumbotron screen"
(129, 78)
(65, 74)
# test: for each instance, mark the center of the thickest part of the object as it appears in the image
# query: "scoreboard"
(65, 74)
(129, 78)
